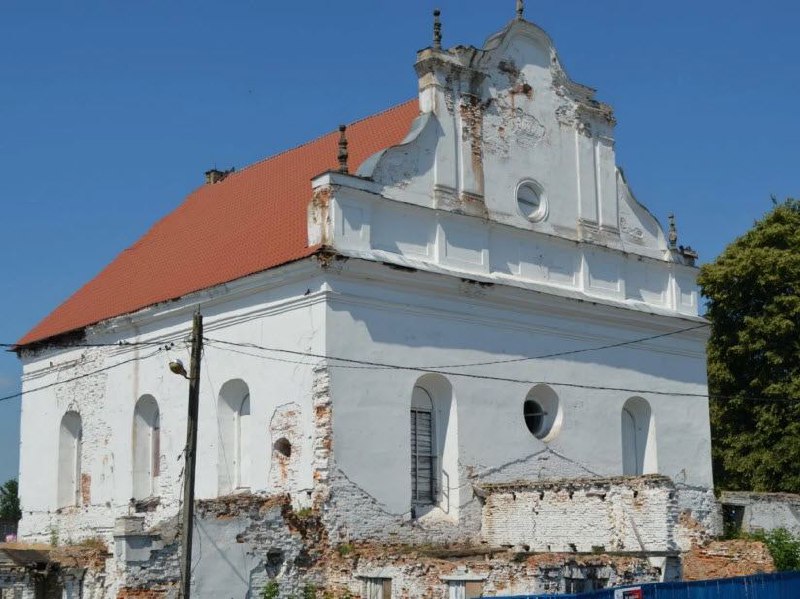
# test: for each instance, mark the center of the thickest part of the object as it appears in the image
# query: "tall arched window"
(69, 460)
(146, 447)
(234, 436)
(638, 438)
(242, 442)
(423, 449)
(434, 446)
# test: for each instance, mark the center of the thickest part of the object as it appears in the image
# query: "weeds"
(271, 591)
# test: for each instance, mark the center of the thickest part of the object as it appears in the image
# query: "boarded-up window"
(639, 454)
(146, 447)
(464, 589)
(378, 588)
(70, 446)
(235, 437)
(423, 449)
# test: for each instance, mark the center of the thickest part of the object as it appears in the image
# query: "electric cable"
(80, 376)
(576, 351)
(381, 365)
(69, 345)
(442, 370)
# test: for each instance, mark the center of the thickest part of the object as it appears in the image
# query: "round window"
(542, 413)
(534, 416)
(531, 201)
(283, 447)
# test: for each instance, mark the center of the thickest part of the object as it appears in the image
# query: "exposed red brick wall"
(726, 559)
(86, 488)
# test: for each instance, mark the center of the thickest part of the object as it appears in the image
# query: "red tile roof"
(252, 221)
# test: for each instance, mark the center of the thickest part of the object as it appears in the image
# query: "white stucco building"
(479, 308)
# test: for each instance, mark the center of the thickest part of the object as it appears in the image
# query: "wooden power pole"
(190, 452)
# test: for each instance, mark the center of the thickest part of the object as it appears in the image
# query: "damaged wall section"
(616, 514)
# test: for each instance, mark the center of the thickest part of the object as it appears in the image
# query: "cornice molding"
(462, 306)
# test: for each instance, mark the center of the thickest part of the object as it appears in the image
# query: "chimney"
(215, 176)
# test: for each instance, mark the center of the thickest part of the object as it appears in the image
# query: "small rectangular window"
(474, 590)
(464, 589)
(378, 588)
(584, 585)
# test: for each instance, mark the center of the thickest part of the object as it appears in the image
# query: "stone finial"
(520, 9)
(673, 233)
(343, 149)
(437, 30)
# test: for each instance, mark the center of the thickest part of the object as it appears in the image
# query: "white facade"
(499, 231)
(369, 312)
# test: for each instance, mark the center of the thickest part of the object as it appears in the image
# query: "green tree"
(753, 294)
(9, 501)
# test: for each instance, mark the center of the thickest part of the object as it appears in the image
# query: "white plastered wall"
(281, 314)
(430, 321)
(375, 313)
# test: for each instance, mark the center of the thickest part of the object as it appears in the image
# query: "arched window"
(434, 446)
(146, 447)
(423, 449)
(234, 436)
(638, 438)
(242, 439)
(69, 460)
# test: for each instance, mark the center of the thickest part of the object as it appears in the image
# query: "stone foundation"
(242, 542)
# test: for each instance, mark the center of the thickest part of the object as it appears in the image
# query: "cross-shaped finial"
(520, 9)
(437, 30)
(343, 149)
(673, 233)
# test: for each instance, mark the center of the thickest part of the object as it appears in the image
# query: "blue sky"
(111, 112)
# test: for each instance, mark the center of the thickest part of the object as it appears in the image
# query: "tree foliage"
(753, 294)
(9, 501)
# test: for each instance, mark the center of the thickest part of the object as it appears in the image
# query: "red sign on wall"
(631, 593)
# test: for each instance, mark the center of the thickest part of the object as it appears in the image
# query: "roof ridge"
(319, 137)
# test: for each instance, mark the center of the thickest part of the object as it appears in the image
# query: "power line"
(214, 343)
(68, 345)
(382, 365)
(81, 376)
(576, 351)
(371, 365)
(504, 361)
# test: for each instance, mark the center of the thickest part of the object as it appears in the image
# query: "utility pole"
(189, 455)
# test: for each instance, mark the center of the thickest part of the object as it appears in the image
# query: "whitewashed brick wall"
(617, 514)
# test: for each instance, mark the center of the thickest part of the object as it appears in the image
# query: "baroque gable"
(509, 173)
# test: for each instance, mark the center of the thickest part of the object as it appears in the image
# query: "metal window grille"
(423, 456)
